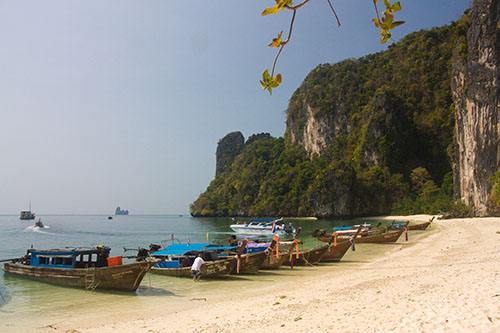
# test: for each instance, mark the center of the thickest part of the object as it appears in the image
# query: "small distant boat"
(27, 214)
(110, 217)
(39, 224)
(88, 268)
(267, 227)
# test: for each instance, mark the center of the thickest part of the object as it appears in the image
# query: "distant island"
(118, 211)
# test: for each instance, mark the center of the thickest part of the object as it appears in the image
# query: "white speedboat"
(264, 227)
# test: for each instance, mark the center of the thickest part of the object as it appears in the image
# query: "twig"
(334, 13)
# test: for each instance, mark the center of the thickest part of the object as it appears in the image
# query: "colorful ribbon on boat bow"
(406, 233)
(352, 242)
(276, 238)
(238, 264)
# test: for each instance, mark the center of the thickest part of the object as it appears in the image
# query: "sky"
(122, 102)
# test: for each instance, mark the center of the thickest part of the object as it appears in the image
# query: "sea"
(27, 305)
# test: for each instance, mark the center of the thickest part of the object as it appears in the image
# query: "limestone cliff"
(228, 148)
(476, 93)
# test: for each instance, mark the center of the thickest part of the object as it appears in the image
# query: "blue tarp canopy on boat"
(179, 249)
(342, 228)
(215, 247)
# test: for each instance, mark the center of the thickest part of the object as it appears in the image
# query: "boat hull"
(386, 237)
(126, 277)
(335, 253)
(420, 226)
(259, 231)
(307, 257)
(250, 263)
(210, 269)
(274, 263)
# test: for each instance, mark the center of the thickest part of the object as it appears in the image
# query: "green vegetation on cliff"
(389, 122)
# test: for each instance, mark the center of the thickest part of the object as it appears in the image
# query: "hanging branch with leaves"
(269, 81)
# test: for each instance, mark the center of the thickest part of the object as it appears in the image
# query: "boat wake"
(37, 229)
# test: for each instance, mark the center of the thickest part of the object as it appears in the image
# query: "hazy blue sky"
(122, 103)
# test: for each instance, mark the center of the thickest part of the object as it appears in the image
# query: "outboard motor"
(154, 247)
(318, 232)
(142, 254)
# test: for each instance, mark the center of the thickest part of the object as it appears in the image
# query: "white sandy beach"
(446, 279)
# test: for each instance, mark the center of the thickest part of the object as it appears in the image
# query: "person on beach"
(195, 269)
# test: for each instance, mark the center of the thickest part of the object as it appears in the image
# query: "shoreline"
(443, 280)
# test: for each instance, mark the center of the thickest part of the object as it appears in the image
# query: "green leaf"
(396, 7)
(389, 17)
(397, 23)
(377, 22)
(269, 82)
(271, 10)
(387, 3)
(385, 37)
(276, 41)
(282, 3)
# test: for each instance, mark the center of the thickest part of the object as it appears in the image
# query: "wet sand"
(443, 279)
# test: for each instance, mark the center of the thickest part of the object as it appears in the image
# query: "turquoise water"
(24, 298)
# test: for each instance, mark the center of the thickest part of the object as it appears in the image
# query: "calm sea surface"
(46, 304)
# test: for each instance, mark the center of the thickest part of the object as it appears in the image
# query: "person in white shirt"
(195, 269)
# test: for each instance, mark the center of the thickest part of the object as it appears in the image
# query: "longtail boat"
(176, 260)
(254, 258)
(306, 257)
(89, 268)
(396, 225)
(249, 263)
(338, 249)
(379, 235)
(274, 258)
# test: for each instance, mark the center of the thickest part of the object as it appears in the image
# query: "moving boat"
(267, 227)
(177, 259)
(27, 214)
(89, 268)
(39, 224)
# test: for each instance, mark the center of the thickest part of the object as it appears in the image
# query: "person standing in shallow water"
(195, 269)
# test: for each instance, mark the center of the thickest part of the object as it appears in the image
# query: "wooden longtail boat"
(306, 257)
(173, 260)
(274, 263)
(380, 235)
(274, 260)
(210, 269)
(88, 268)
(249, 263)
(396, 225)
(338, 249)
